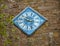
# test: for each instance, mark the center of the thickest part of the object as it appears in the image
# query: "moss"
(1, 1)
(3, 29)
(2, 15)
(9, 19)
(2, 25)
(13, 30)
(8, 41)
(3, 6)
(3, 33)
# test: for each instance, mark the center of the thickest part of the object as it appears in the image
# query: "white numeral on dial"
(36, 17)
(22, 24)
(25, 27)
(29, 28)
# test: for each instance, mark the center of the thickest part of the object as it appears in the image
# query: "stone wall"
(46, 35)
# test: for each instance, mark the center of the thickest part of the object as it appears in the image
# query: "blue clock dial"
(29, 20)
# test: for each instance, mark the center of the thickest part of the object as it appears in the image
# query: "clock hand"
(28, 19)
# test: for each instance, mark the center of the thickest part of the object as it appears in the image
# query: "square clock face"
(29, 20)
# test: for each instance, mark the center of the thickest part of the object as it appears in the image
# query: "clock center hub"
(28, 20)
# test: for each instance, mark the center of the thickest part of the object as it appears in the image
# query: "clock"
(29, 20)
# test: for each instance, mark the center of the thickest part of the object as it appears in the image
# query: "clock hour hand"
(28, 20)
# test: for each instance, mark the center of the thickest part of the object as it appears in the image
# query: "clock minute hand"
(28, 20)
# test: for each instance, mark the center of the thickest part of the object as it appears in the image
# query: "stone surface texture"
(47, 35)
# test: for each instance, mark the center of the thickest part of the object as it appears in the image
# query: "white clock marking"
(24, 15)
(29, 13)
(36, 20)
(25, 27)
(36, 24)
(19, 21)
(32, 14)
(29, 28)
(36, 17)
(21, 17)
(22, 24)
